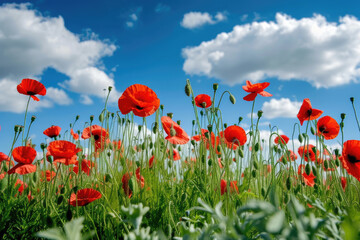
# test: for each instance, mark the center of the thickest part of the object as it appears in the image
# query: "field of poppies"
(115, 179)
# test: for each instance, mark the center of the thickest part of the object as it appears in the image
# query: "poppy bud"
(312, 130)
(193, 142)
(69, 214)
(77, 117)
(284, 159)
(255, 164)
(201, 113)
(307, 169)
(170, 115)
(187, 90)
(178, 122)
(241, 153)
(33, 118)
(210, 162)
(107, 178)
(193, 122)
(314, 170)
(151, 145)
(101, 117)
(209, 127)
(240, 119)
(139, 128)
(225, 125)
(43, 146)
(16, 128)
(108, 154)
(109, 88)
(256, 147)
(232, 99)
(162, 107)
(218, 148)
(253, 173)
(339, 197)
(91, 118)
(352, 99)
(259, 113)
(169, 164)
(215, 86)
(50, 159)
(263, 192)
(343, 115)
(300, 138)
(288, 183)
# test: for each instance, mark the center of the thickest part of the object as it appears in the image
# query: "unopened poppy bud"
(241, 153)
(43, 146)
(112, 115)
(288, 183)
(143, 146)
(207, 135)
(110, 88)
(253, 173)
(187, 90)
(201, 113)
(256, 147)
(108, 154)
(314, 170)
(139, 128)
(263, 192)
(50, 159)
(16, 128)
(300, 138)
(255, 164)
(162, 107)
(91, 118)
(326, 165)
(259, 113)
(70, 125)
(107, 178)
(210, 127)
(225, 125)
(343, 115)
(170, 115)
(337, 152)
(193, 142)
(312, 130)
(284, 160)
(337, 162)
(215, 86)
(240, 119)
(352, 99)
(101, 117)
(232, 99)
(77, 117)
(193, 122)
(218, 148)
(178, 122)
(33, 118)
(209, 162)
(154, 129)
(307, 169)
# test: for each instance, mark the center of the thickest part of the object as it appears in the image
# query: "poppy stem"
(357, 120)
(27, 106)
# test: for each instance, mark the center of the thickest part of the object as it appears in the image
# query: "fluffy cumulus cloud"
(323, 53)
(31, 43)
(193, 20)
(282, 107)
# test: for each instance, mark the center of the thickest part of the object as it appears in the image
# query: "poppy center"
(30, 93)
(96, 137)
(353, 159)
(323, 129)
(309, 112)
(139, 108)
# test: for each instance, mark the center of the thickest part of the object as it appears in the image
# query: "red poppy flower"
(139, 178)
(233, 186)
(2, 176)
(328, 127)
(343, 183)
(101, 136)
(74, 135)
(151, 161)
(282, 138)
(308, 179)
(289, 156)
(308, 152)
(4, 157)
(176, 155)
(22, 185)
(85, 167)
(206, 140)
(63, 151)
(350, 158)
(52, 131)
(255, 89)
(139, 99)
(22, 169)
(203, 100)
(24, 155)
(84, 197)
(176, 135)
(306, 112)
(220, 164)
(125, 184)
(235, 135)
(31, 88)
(49, 175)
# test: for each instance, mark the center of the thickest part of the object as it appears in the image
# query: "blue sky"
(78, 48)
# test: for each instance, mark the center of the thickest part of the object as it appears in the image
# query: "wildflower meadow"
(114, 179)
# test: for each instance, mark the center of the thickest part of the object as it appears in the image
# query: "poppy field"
(115, 179)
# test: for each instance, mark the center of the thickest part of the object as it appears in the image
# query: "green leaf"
(275, 223)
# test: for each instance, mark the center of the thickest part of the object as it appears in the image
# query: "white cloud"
(129, 24)
(160, 8)
(85, 99)
(280, 108)
(193, 20)
(58, 96)
(31, 43)
(133, 17)
(325, 54)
